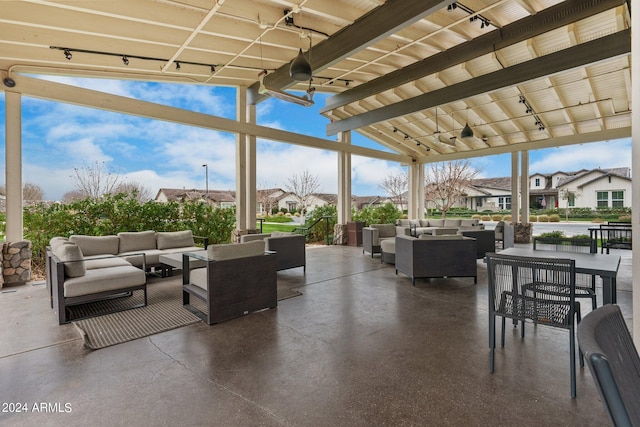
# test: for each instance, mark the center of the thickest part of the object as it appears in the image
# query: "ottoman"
(388, 251)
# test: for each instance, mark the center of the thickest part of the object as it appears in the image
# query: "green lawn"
(268, 228)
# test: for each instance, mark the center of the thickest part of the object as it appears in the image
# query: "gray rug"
(163, 312)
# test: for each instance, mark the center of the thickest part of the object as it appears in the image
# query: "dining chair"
(614, 363)
(585, 283)
(534, 289)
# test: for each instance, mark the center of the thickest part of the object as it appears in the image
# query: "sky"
(59, 137)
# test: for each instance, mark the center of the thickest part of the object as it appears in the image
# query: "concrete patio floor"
(360, 347)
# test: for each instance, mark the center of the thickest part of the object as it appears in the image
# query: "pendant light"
(467, 132)
(300, 69)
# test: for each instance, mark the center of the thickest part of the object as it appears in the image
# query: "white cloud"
(604, 155)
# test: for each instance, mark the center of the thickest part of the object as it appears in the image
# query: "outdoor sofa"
(290, 248)
(83, 268)
(417, 227)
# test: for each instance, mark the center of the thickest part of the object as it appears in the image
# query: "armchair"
(290, 248)
(375, 233)
(436, 256)
(238, 279)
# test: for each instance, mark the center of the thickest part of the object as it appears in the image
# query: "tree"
(446, 182)
(32, 192)
(135, 189)
(94, 181)
(396, 185)
(303, 186)
(570, 197)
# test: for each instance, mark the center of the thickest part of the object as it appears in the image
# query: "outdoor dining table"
(603, 265)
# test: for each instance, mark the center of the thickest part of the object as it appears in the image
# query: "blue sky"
(59, 137)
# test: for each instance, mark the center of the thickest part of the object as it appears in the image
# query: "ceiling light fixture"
(67, 54)
(177, 66)
(300, 69)
(467, 132)
(125, 60)
(305, 101)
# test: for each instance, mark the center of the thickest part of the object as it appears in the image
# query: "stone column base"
(16, 262)
(522, 232)
(340, 234)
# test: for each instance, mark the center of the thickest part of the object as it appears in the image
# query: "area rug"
(164, 311)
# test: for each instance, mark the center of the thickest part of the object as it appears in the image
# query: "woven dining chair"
(614, 363)
(585, 283)
(533, 289)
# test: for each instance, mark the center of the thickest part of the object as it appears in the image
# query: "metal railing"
(305, 229)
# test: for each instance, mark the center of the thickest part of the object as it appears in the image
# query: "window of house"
(504, 203)
(617, 199)
(537, 182)
(602, 198)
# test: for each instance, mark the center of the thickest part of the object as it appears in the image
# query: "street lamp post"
(206, 177)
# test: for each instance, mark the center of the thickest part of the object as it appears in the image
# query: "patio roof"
(406, 74)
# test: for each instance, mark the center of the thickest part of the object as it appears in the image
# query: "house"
(584, 188)
(216, 198)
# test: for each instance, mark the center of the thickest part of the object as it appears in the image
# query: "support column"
(524, 187)
(251, 162)
(344, 180)
(416, 191)
(635, 172)
(241, 165)
(13, 165)
(514, 188)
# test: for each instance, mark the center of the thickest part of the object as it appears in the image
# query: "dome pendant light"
(466, 131)
(300, 68)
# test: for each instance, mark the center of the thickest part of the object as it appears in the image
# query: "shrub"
(496, 217)
(543, 218)
(506, 218)
(624, 218)
(476, 216)
(598, 220)
(553, 234)
(554, 218)
(113, 214)
(386, 214)
(533, 218)
(485, 218)
(318, 232)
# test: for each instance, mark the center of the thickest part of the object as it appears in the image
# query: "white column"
(241, 162)
(344, 180)
(420, 191)
(416, 191)
(514, 188)
(13, 165)
(251, 170)
(524, 186)
(635, 172)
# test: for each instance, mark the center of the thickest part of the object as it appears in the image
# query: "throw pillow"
(235, 250)
(71, 255)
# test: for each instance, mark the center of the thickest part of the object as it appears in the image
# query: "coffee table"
(171, 261)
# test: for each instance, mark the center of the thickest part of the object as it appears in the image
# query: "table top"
(177, 257)
(604, 265)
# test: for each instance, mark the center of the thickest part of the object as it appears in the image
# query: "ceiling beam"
(376, 25)
(581, 55)
(549, 19)
(584, 138)
(59, 92)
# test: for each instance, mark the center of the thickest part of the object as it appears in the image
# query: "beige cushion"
(469, 222)
(151, 256)
(96, 245)
(415, 222)
(235, 250)
(104, 279)
(198, 277)
(250, 237)
(174, 239)
(452, 223)
(385, 230)
(435, 223)
(137, 241)
(282, 233)
(71, 255)
(404, 223)
(57, 241)
(441, 237)
(114, 261)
